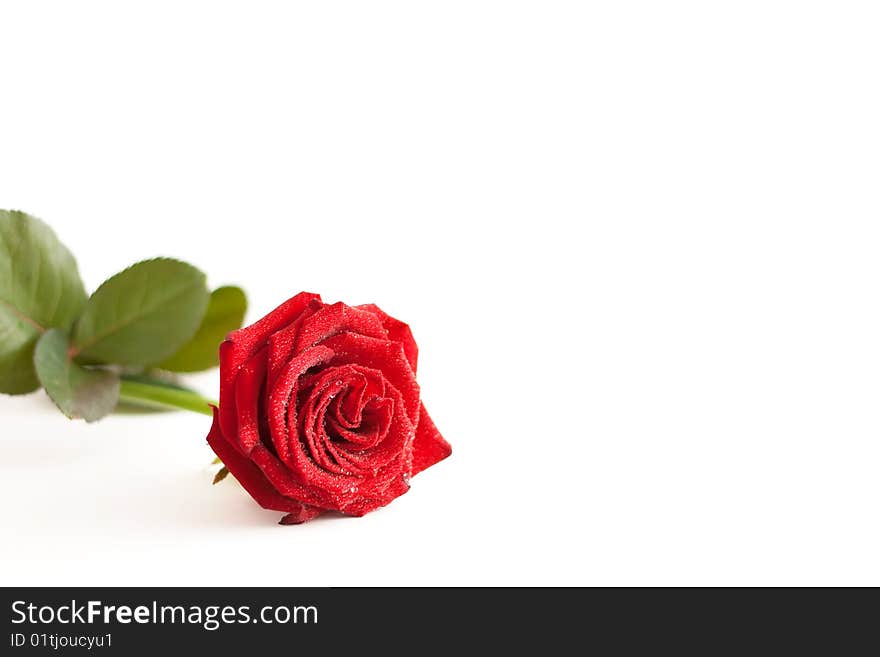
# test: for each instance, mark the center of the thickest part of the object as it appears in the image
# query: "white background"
(637, 243)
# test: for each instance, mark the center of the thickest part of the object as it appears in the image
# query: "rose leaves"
(157, 315)
(225, 314)
(40, 287)
(89, 394)
(143, 314)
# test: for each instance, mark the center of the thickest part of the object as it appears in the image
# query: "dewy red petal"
(240, 345)
(247, 400)
(292, 485)
(335, 319)
(248, 474)
(281, 405)
(383, 355)
(320, 409)
(301, 515)
(429, 446)
(398, 332)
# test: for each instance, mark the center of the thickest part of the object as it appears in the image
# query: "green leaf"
(225, 314)
(40, 288)
(77, 391)
(143, 314)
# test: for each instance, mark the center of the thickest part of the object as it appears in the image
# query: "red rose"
(320, 409)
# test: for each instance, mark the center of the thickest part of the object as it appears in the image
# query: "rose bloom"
(320, 409)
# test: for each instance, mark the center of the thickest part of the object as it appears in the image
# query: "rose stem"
(164, 397)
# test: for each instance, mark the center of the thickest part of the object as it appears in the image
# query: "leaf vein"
(22, 316)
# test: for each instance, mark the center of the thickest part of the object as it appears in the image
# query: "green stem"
(159, 396)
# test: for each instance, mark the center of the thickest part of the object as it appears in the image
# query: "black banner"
(239, 621)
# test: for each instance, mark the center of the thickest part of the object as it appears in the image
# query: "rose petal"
(240, 345)
(329, 495)
(429, 446)
(397, 331)
(333, 319)
(397, 440)
(289, 484)
(348, 406)
(383, 355)
(312, 427)
(281, 406)
(248, 474)
(281, 348)
(393, 488)
(361, 385)
(248, 388)
(376, 419)
(301, 515)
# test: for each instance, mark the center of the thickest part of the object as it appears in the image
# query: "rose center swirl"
(344, 417)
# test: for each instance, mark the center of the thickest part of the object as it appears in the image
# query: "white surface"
(637, 243)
